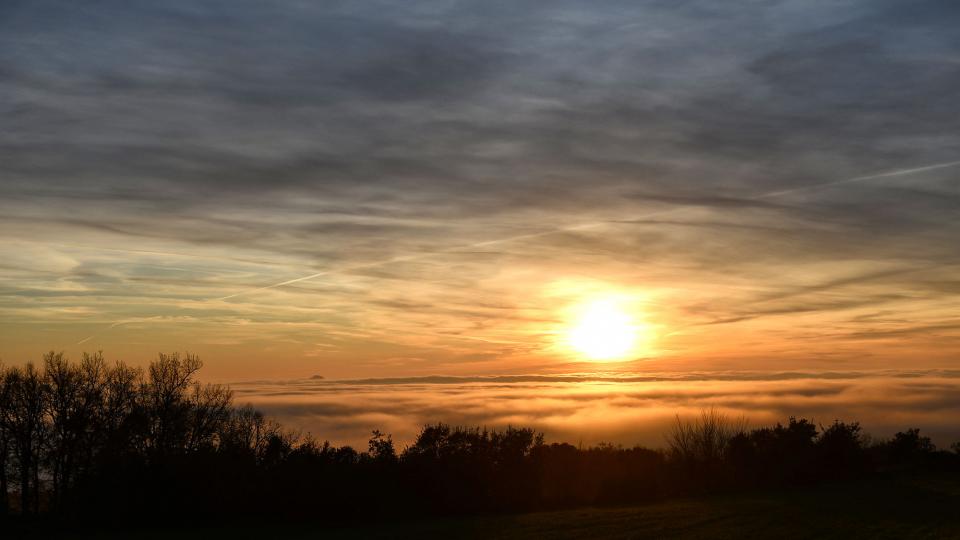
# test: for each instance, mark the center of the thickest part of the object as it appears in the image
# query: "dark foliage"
(76, 439)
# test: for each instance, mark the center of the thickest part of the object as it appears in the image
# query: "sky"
(374, 189)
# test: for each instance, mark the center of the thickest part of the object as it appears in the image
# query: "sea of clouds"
(622, 409)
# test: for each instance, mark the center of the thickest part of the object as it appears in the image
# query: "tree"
(380, 448)
(209, 407)
(22, 418)
(840, 448)
(246, 432)
(909, 446)
(705, 439)
(120, 410)
(5, 448)
(73, 407)
(165, 401)
(783, 454)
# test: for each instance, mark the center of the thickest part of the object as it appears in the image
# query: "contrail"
(221, 258)
(898, 172)
(112, 325)
(561, 230)
(404, 258)
(321, 274)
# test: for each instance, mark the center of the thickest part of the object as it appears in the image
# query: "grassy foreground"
(887, 507)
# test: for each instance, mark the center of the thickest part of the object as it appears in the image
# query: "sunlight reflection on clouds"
(620, 409)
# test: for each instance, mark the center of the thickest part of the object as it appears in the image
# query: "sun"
(602, 329)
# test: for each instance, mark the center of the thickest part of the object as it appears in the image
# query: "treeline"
(105, 443)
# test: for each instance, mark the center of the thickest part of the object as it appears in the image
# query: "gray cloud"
(290, 138)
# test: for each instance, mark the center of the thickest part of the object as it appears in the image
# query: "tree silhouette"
(76, 439)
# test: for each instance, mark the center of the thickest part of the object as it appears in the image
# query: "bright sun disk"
(602, 330)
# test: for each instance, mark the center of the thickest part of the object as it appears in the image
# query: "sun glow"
(603, 330)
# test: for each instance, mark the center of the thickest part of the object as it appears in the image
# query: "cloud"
(158, 156)
(626, 409)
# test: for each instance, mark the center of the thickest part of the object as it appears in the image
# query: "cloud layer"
(455, 172)
(624, 409)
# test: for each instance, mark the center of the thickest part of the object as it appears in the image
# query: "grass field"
(892, 507)
(901, 508)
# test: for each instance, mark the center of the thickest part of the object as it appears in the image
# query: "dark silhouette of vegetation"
(77, 438)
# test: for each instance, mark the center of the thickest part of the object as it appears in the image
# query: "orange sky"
(712, 290)
(356, 190)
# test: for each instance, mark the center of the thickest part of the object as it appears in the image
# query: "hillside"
(900, 507)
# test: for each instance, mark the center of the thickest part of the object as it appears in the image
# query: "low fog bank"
(622, 409)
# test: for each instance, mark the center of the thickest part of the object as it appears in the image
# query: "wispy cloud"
(410, 181)
(716, 201)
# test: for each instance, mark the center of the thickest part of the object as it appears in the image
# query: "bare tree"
(4, 445)
(704, 439)
(164, 398)
(23, 419)
(209, 414)
(74, 399)
(117, 410)
(247, 431)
